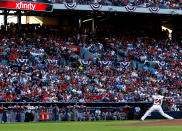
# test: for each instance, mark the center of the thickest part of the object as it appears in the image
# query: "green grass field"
(83, 126)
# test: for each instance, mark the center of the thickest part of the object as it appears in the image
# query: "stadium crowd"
(167, 4)
(40, 67)
(161, 66)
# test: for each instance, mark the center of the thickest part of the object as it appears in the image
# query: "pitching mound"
(176, 122)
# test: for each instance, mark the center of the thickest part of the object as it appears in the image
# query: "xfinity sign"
(25, 6)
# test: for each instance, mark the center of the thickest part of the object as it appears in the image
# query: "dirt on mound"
(175, 122)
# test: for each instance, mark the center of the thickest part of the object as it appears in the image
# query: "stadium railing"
(40, 112)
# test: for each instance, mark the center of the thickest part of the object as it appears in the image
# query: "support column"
(175, 27)
(80, 23)
(5, 19)
(93, 26)
(19, 18)
(27, 19)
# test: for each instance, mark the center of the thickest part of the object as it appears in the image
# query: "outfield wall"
(175, 114)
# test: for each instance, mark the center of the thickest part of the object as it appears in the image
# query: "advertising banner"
(32, 6)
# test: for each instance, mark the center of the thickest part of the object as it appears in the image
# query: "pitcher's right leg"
(164, 114)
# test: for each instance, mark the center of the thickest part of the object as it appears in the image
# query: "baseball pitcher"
(158, 99)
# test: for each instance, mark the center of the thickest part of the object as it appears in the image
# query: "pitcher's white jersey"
(158, 99)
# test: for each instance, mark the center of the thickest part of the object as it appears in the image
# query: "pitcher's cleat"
(171, 119)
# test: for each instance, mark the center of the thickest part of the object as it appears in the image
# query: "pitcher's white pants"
(156, 108)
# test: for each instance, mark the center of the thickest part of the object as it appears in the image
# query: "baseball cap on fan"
(159, 92)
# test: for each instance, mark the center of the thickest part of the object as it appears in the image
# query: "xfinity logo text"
(25, 6)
